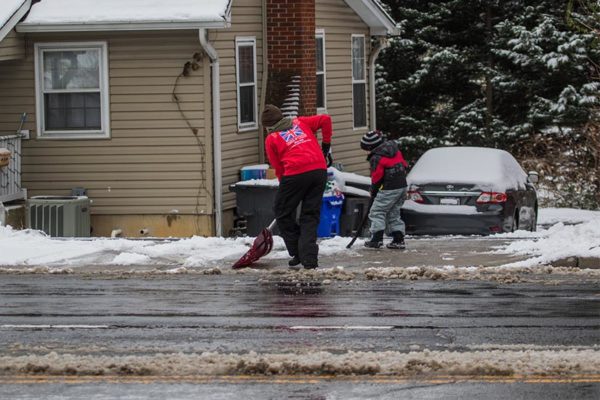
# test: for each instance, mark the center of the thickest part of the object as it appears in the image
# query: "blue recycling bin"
(331, 209)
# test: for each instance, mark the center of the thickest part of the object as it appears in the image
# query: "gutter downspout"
(263, 87)
(216, 122)
(382, 43)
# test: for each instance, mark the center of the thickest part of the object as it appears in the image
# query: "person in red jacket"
(300, 165)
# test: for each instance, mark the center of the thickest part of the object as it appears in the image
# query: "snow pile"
(557, 243)
(565, 362)
(551, 216)
(345, 182)
(308, 276)
(445, 273)
(33, 248)
(350, 183)
(271, 183)
(131, 259)
(335, 245)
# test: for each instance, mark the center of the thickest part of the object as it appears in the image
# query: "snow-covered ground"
(571, 233)
(34, 248)
(551, 216)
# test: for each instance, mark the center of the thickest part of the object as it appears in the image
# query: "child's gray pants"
(385, 211)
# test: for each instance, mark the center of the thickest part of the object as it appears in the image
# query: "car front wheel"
(533, 226)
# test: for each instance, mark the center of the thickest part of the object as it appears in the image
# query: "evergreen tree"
(584, 15)
(489, 73)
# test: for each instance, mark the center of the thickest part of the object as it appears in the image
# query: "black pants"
(301, 240)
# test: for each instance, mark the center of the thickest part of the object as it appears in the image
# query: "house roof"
(11, 11)
(102, 15)
(371, 11)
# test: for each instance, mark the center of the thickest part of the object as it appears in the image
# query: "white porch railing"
(10, 175)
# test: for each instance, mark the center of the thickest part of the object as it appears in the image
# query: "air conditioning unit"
(59, 216)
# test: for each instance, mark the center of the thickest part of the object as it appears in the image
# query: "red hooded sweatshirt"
(297, 150)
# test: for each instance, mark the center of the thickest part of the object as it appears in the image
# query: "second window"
(359, 82)
(246, 82)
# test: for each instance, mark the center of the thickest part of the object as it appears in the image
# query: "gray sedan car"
(469, 190)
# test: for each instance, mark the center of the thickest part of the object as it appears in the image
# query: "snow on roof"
(10, 13)
(126, 14)
(491, 169)
(8, 8)
(374, 15)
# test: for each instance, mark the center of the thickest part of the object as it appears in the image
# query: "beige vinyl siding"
(339, 23)
(152, 163)
(12, 47)
(238, 148)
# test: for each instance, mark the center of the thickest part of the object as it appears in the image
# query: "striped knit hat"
(371, 140)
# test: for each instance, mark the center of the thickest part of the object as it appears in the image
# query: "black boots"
(294, 261)
(398, 241)
(294, 264)
(376, 240)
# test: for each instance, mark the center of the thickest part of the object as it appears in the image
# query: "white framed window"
(321, 70)
(359, 82)
(245, 52)
(72, 98)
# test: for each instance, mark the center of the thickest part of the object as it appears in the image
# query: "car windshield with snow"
(469, 190)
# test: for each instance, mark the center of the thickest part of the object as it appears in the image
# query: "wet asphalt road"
(304, 391)
(235, 314)
(217, 313)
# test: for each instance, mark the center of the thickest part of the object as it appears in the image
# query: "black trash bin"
(255, 204)
(353, 212)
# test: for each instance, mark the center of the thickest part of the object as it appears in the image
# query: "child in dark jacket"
(388, 189)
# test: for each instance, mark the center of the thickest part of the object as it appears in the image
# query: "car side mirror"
(533, 177)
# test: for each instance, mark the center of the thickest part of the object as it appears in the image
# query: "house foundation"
(170, 225)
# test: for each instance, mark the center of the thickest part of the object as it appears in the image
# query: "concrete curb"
(578, 262)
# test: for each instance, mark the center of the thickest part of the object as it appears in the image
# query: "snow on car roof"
(491, 169)
(51, 12)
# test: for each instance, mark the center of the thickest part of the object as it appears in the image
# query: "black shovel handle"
(362, 224)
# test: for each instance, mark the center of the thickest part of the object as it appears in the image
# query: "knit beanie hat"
(371, 140)
(271, 115)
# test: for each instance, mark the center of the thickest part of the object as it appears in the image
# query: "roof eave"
(12, 21)
(378, 20)
(384, 31)
(122, 26)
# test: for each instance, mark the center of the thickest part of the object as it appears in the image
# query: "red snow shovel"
(262, 246)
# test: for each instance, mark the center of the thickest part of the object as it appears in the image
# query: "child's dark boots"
(376, 240)
(398, 241)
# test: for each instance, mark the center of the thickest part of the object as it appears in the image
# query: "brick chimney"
(291, 55)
